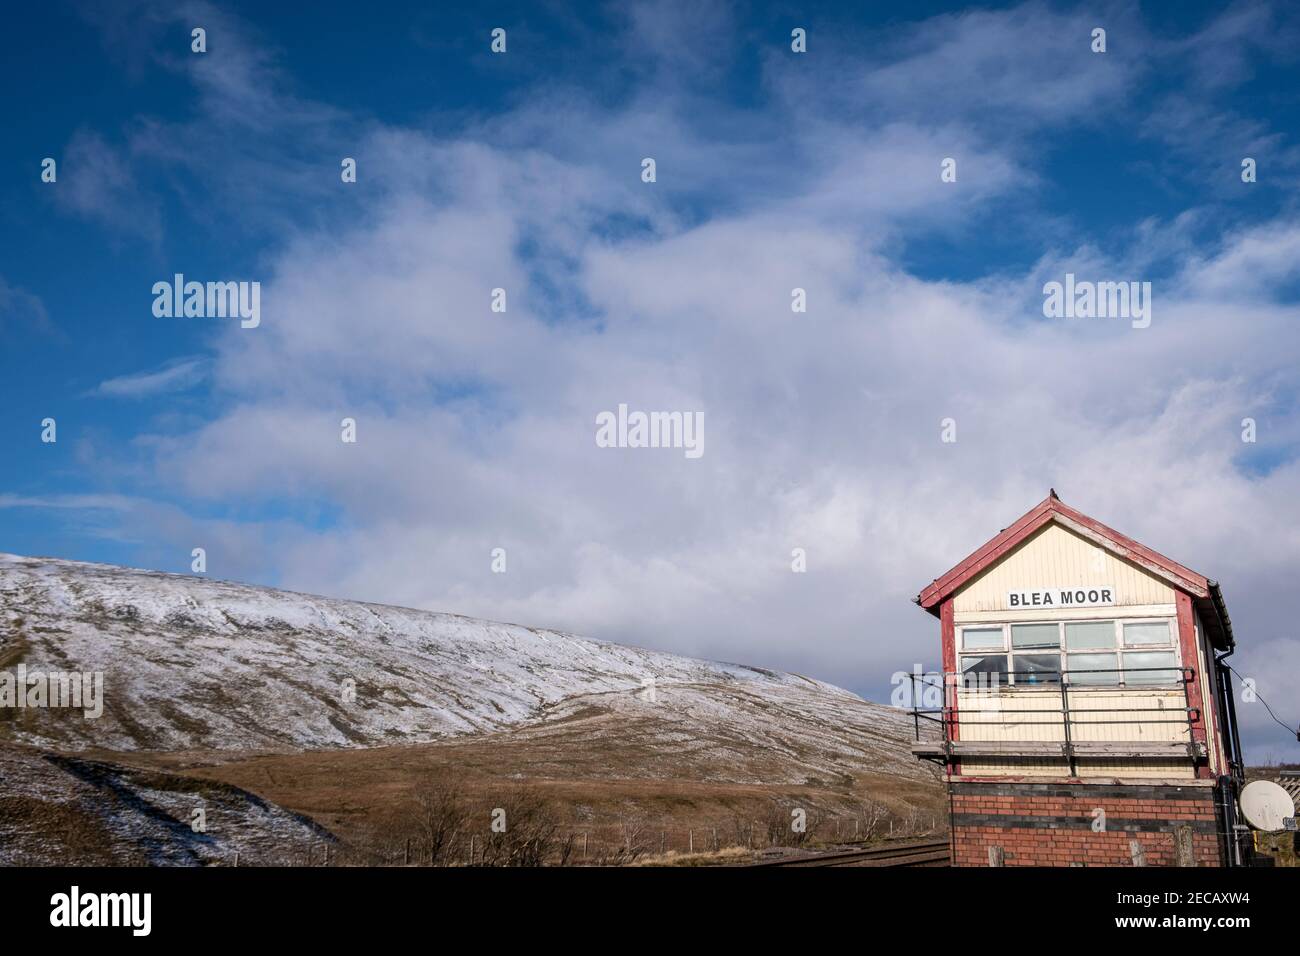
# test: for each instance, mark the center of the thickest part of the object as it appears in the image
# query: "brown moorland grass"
(609, 789)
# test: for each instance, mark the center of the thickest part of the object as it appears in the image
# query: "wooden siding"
(1103, 613)
(980, 718)
(1057, 557)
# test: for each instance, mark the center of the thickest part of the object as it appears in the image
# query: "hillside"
(57, 810)
(195, 664)
(242, 692)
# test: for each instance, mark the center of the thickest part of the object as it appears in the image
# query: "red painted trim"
(1187, 644)
(949, 630)
(1140, 554)
(982, 557)
(1222, 766)
(1053, 509)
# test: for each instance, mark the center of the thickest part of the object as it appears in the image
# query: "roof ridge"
(1052, 508)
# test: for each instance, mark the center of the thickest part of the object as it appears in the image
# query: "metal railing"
(1008, 686)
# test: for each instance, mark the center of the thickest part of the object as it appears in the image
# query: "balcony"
(1056, 720)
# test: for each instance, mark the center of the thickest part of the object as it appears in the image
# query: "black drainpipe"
(1230, 783)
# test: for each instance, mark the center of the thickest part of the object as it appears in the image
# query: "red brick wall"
(1052, 824)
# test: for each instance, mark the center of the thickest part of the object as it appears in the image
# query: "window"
(1037, 668)
(1139, 666)
(1085, 635)
(1035, 635)
(1091, 653)
(981, 637)
(1093, 669)
(991, 664)
(984, 639)
(1146, 632)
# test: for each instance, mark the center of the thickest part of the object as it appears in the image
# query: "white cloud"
(20, 309)
(823, 432)
(176, 375)
(476, 429)
(97, 181)
(1253, 263)
(91, 502)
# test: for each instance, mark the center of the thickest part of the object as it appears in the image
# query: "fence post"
(690, 841)
(1065, 724)
(916, 710)
(584, 845)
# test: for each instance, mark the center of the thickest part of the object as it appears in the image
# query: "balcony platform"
(1171, 750)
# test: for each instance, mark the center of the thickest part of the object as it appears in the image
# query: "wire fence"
(607, 844)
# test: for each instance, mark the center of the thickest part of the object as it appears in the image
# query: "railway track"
(930, 853)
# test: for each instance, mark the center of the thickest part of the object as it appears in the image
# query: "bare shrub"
(743, 831)
(872, 818)
(566, 850)
(440, 816)
(780, 825)
(531, 832)
(633, 843)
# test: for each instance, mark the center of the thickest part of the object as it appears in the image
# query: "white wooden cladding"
(981, 717)
(1056, 557)
(1052, 558)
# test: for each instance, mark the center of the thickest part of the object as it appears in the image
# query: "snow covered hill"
(195, 664)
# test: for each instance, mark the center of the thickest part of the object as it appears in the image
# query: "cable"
(1260, 698)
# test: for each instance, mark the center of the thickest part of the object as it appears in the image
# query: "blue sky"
(775, 170)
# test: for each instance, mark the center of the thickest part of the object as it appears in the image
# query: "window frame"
(1009, 652)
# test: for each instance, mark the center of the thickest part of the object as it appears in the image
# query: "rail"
(979, 715)
(929, 853)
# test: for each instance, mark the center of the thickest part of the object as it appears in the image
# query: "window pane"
(993, 664)
(1035, 635)
(1079, 664)
(1154, 632)
(1036, 668)
(976, 638)
(1080, 635)
(1135, 660)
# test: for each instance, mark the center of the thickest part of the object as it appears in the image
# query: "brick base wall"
(1052, 824)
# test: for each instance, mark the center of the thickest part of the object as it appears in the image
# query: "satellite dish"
(1266, 806)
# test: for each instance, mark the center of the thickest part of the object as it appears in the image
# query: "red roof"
(1203, 591)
